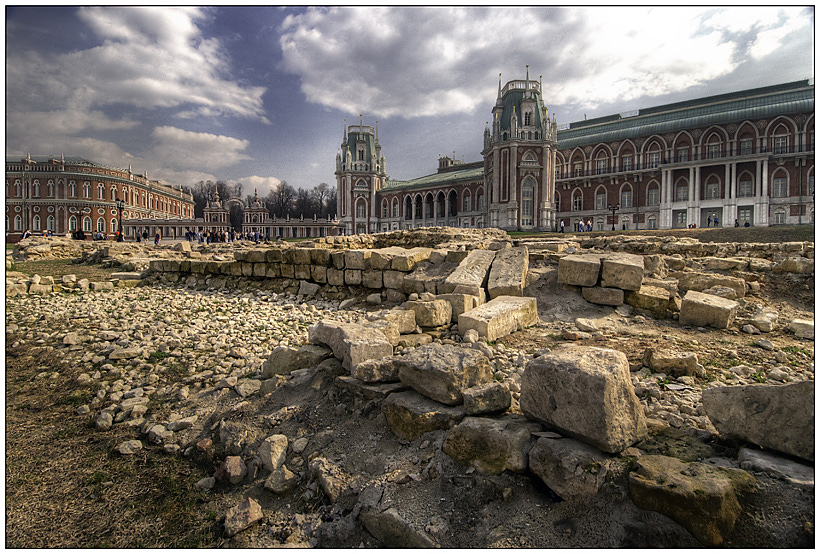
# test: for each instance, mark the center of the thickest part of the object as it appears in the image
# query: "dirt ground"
(66, 488)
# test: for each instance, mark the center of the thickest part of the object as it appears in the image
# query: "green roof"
(738, 106)
(471, 172)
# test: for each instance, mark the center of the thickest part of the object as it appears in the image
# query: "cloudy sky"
(260, 94)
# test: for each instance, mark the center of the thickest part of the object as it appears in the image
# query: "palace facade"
(717, 161)
(63, 195)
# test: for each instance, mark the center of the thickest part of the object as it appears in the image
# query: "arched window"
(600, 199)
(100, 191)
(361, 209)
(50, 223)
(745, 186)
(626, 197)
(651, 223)
(18, 223)
(577, 200)
(87, 191)
(18, 188)
(601, 164)
(87, 224)
(466, 201)
(526, 203)
(113, 226)
(780, 140)
(780, 187)
(479, 200)
(408, 208)
(779, 216)
(50, 186)
(35, 222)
(72, 189)
(712, 189)
(113, 192)
(385, 208)
(653, 195)
(72, 223)
(528, 118)
(101, 225)
(36, 193)
(395, 207)
(681, 191)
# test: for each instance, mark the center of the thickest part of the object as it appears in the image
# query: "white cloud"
(413, 62)
(263, 185)
(177, 148)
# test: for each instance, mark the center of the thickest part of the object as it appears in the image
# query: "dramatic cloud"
(263, 185)
(177, 148)
(414, 62)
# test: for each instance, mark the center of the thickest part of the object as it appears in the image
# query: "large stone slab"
(382, 258)
(652, 299)
(284, 359)
(706, 310)
(622, 271)
(441, 372)
(677, 364)
(492, 446)
(580, 270)
(603, 296)
(350, 342)
(508, 273)
(585, 393)
(489, 398)
(570, 468)
(410, 414)
(499, 317)
(427, 277)
(472, 272)
(431, 313)
(802, 328)
(777, 417)
(701, 497)
(460, 303)
(407, 261)
(700, 281)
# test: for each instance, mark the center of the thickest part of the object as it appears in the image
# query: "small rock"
(242, 516)
(129, 447)
(206, 483)
(105, 421)
(764, 344)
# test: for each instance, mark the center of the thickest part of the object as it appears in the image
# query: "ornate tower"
(360, 173)
(519, 158)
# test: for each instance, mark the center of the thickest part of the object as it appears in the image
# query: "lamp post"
(120, 205)
(557, 222)
(613, 209)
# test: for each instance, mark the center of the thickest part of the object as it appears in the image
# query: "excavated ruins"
(458, 388)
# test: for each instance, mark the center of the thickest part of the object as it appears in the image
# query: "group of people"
(711, 219)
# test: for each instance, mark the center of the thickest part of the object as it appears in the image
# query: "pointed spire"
(377, 132)
(62, 158)
(344, 130)
(498, 99)
(528, 77)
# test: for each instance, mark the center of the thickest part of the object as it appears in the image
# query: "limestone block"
(383, 370)
(649, 298)
(320, 257)
(287, 271)
(353, 277)
(570, 468)
(274, 255)
(272, 451)
(382, 258)
(318, 273)
(410, 414)
(272, 271)
(350, 342)
(372, 279)
(779, 467)
(460, 303)
(242, 516)
(281, 480)
(335, 277)
(298, 256)
(388, 328)
(357, 259)
(489, 398)
(432, 313)
(698, 281)
(622, 271)
(427, 277)
(580, 270)
(301, 271)
(764, 319)
(705, 310)
(414, 340)
(701, 497)
(284, 359)
(408, 260)
(473, 271)
(405, 320)
(508, 273)
(247, 269)
(393, 530)
(16, 289)
(308, 289)
(393, 279)
(45, 289)
(492, 446)
(456, 256)
(253, 256)
(499, 317)
(441, 371)
(338, 259)
(802, 328)
(776, 417)
(259, 270)
(586, 393)
(794, 264)
(677, 364)
(603, 296)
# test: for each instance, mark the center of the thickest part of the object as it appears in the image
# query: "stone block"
(393, 279)
(94, 285)
(603, 296)
(372, 279)
(698, 281)
(383, 370)
(580, 270)
(308, 289)
(405, 320)
(408, 260)
(272, 451)
(45, 289)
(432, 313)
(764, 319)
(508, 273)
(460, 303)
(247, 269)
(394, 531)
(318, 273)
(489, 398)
(802, 328)
(254, 256)
(274, 256)
(287, 270)
(414, 340)
(585, 393)
(427, 277)
(337, 259)
(298, 256)
(676, 364)
(353, 277)
(272, 271)
(335, 277)
(492, 446)
(301, 271)
(441, 372)
(260, 270)
(350, 342)
(705, 310)
(776, 417)
(499, 317)
(473, 271)
(357, 259)
(382, 258)
(570, 468)
(16, 289)
(410, 415)
(320, 257)
(652, 299)
(622, 271)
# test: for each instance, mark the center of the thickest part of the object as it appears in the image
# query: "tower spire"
(344, 129)
(528, 77)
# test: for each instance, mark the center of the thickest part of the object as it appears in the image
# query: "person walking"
(562, 227)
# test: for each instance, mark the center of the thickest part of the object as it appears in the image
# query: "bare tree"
(320, 193)
(280, 200)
